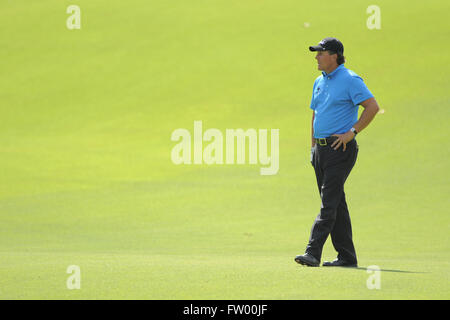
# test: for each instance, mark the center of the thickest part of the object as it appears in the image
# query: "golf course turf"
(87, 178)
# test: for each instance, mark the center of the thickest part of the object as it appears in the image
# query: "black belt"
(325, 141)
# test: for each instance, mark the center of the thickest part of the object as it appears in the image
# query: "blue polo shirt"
(335, 101)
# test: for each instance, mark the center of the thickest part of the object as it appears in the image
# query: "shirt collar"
(332, 73)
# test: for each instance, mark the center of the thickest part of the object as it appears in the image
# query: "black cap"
(331, 44)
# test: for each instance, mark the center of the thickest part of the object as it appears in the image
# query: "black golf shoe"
(339, 263)
(307, 260)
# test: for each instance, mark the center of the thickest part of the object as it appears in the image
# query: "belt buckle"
(322, 142)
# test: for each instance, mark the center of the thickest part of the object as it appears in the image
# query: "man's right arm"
(313, 141)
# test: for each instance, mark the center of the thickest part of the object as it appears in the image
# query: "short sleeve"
(359, 91)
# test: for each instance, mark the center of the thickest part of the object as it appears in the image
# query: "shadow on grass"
(383, 270)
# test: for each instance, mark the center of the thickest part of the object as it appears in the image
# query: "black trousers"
(332, 168)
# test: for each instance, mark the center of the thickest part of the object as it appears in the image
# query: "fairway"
(87, 174)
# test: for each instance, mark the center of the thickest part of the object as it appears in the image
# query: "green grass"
(87, 179)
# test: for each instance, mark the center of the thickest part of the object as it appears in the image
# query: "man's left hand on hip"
(342, 139)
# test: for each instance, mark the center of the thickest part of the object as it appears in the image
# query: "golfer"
(337, 93)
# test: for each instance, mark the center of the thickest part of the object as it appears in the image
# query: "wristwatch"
(354, 131)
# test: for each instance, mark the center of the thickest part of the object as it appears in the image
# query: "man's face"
(325, 61)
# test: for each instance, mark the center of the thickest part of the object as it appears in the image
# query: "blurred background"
(86, 174)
